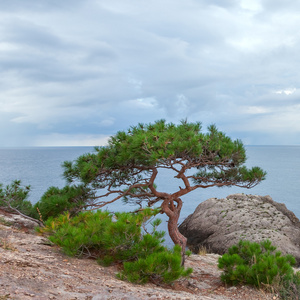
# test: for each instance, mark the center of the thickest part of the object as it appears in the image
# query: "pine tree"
(134, 157)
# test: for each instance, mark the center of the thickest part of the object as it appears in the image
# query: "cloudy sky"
(74, 72)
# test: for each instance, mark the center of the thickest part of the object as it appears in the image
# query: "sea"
(41, 168)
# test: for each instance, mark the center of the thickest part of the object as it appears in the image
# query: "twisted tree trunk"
(172, 210)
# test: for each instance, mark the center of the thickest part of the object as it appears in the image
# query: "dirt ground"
(32, 268)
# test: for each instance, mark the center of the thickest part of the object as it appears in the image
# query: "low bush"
(118, 239)
(255, 264)
(159, 266)
(56, 201)
(13, 198)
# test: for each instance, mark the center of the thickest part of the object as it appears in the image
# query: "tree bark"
(173, 212)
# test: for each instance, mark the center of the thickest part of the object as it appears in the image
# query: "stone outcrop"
(17, 221)
(217, 224)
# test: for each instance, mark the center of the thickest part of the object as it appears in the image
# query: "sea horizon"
(41, 167)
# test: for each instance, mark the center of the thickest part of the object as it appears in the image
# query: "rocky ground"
(31, 268)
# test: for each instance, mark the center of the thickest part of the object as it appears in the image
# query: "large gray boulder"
(217, 224)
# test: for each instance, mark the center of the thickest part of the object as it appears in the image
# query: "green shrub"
(78, 235)
(56, 201)
(164, 265)
(13, 197)
(104, 234)
(118, 238)
(255, 264)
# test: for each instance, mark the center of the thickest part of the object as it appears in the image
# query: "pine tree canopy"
(128, 166)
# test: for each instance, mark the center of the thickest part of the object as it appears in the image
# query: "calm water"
(41, 168)
(38, 167)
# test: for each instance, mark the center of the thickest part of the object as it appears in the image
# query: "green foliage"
(14, 197)
(102, 234)
(132, 155)
(77, 235)
(255, 264)
(118, 238)
(56, 201)
(162, 266)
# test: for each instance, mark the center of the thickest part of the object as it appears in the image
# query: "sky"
(74, 72)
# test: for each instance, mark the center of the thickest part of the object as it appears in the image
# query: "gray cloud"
(75, 69)
(41, 5)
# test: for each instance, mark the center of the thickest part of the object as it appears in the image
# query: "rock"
(217, 224)
(17, 220)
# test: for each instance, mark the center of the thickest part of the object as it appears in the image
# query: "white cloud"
(252, 5)
(255, 110)
(142, 103)
(286, 91)
(61, 140)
